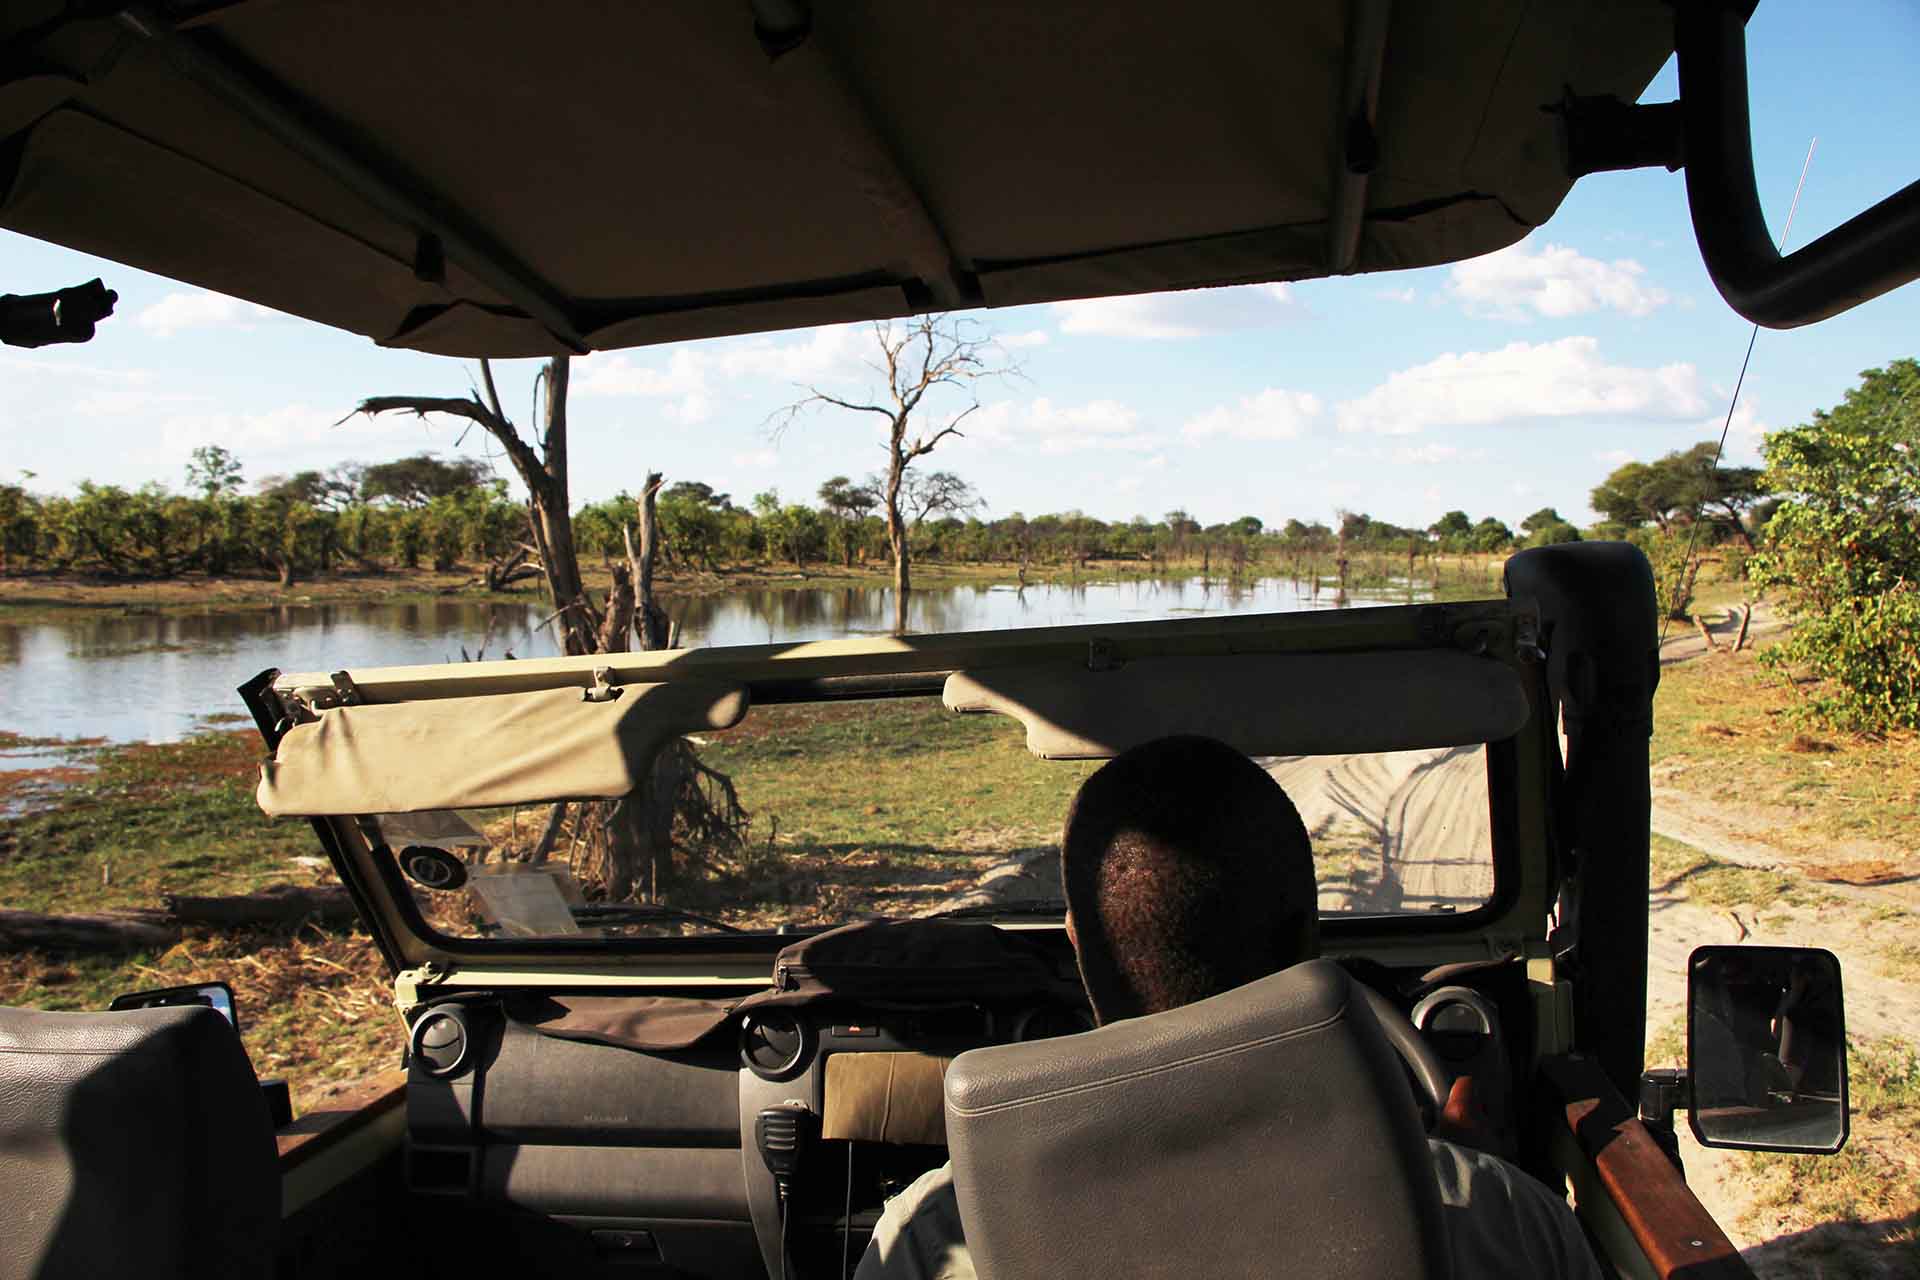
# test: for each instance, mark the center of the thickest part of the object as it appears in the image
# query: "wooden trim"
(318, 1131)
(1679, 1237)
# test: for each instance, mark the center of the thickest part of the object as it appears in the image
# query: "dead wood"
(32, 931)
(1705, 633)
(1746, 620)
(281, 904)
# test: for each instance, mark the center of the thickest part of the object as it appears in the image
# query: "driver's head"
(1187, 873)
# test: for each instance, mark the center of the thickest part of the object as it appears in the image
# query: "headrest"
(1265, 1131)
(133, 1143)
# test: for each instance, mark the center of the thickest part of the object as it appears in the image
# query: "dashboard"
(568, 1156)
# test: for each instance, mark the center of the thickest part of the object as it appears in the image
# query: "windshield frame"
(1520, 778)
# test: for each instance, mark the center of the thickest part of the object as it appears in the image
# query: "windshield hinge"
(407, 984)
(603, 690)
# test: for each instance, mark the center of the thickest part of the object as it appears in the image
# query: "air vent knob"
(440, 1042)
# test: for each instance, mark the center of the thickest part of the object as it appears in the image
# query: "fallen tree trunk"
(280, 904)
(31, 931)
(141, 930)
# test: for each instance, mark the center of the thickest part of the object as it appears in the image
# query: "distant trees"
(1843, 549)
(1547, 527)
(418, 480)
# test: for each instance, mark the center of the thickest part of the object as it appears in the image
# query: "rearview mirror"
(1767, 1049)
(217, 996)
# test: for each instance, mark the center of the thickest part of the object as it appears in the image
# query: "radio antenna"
(1693, 529)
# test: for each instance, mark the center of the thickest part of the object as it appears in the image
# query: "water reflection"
(153, 677)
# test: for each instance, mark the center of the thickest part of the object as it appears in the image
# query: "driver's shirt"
(1499, 1221)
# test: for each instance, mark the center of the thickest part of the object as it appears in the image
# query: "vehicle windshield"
(826, 813)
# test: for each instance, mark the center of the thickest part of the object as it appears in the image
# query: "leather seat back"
(1266, 1131)
(135, 1143)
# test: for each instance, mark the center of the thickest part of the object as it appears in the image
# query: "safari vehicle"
(621, 1088)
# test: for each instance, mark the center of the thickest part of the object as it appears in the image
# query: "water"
(156, 678)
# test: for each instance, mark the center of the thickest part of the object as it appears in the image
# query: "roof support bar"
(1356, 150)
(253, 96)
(809, 73)
(1863, 258)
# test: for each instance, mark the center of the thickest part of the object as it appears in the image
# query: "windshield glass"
(819, 814)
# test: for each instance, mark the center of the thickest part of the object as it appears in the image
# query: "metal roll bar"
(1870, 254)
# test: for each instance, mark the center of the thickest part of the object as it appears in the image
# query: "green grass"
(877, 807)
(134, 822)
(149, 819)
(1725, 728)
(906, 775)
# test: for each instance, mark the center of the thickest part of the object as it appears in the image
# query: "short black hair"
(1187, 872)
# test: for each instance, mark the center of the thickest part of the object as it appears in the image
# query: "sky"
(1498, 385)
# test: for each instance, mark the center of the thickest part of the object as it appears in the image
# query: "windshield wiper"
(645, 913)
(1026, 907)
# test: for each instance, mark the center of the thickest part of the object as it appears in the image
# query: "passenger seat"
(133, 1144)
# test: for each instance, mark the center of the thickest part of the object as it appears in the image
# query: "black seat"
(1265, 1132)
(133, 1144)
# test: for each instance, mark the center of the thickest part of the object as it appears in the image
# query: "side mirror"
(1767, 1049)
(217, 996)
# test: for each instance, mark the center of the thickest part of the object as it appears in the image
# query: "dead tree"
(636, 834)
(937, 355)
(544, 473)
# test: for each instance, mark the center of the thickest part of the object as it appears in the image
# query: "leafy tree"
(213, 471)
(418, 480)
(1678, 489)
(1844, 549)
(847, 505)
(1490, 535)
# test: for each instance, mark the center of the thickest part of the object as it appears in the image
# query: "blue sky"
(1499, 386)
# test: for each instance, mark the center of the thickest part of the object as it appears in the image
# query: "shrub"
(1844, 550)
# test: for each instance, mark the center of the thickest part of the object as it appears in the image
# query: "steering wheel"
(1432, 1081)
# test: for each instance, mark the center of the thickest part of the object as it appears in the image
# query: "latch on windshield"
(603, 690)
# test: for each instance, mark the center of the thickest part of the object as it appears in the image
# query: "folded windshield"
(810, 815)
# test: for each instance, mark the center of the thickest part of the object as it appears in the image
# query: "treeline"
(426, 511)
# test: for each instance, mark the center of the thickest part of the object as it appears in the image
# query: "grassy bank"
(110, 827)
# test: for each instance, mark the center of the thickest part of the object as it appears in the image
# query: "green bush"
(1843, 550)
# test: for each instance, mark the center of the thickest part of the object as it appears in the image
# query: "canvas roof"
(508, 179)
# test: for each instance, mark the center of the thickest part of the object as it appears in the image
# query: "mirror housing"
(1767, 1049)
(217, 996)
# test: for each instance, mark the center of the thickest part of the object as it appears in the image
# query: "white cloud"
(1613, 457)
(1044, 427)
(1031, 338)
(1423, 455)
(758, 458)
(1552, 281)
(1523, 382)
(1190, 313)
(1272, 414)
(1408, 294)
(690, 373)
(267, 432)
(199, 309)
